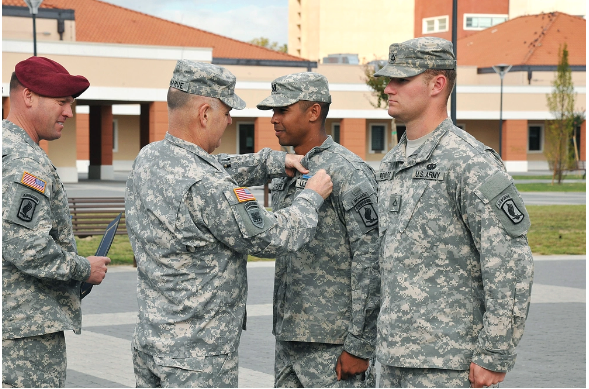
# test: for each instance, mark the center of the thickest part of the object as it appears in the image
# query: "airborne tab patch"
(33, 182)
(243, 194)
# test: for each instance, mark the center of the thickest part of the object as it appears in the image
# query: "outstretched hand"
(292, 164)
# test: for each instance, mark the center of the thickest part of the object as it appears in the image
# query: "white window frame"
(506, 16)
(386, 140)
(436, 20)
(541, 138)
(333, 129)
(238, 124)
(115, 135)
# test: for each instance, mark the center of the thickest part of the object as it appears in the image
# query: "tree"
(560, 130)
(377, 84)
(265, 42)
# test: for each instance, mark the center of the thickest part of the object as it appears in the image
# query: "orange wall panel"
(583, 156)
(353, 136)
(158, 120)
(82, 136)
(515, 140)
(264, 135)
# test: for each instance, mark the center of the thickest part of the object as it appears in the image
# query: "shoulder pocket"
(361, 201)
(250, 216)
(499, 193)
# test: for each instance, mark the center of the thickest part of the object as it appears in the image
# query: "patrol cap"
(289, 89)
(47, 78)
(205, 79)
(415, 56)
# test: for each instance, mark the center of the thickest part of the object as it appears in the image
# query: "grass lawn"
(569, 177)
(556, 229)
(568, 187)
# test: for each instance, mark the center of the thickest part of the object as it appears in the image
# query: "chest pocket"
(404, 204)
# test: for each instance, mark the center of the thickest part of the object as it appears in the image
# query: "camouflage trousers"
(312, 365)
(215, 371)
(404, 377)
(34, 362)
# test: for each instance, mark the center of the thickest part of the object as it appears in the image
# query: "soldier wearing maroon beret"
(41, 270)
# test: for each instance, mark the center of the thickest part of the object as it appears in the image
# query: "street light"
(34, 9)
(501, 70)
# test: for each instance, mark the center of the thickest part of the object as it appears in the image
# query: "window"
(436, 24)
(115, 135)
(535, 132)
(245, 132)
(377, 138)
(335, 132)
(481, 21)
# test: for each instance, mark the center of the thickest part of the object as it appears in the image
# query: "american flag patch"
(33, 182)
(243, 194)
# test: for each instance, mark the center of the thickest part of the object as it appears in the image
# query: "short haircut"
(14, 82)
(177, 98)
(450, 75)
(305, 104)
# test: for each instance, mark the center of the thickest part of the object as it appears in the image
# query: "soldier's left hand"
(481, 377)
(292, 163)
(348, 366)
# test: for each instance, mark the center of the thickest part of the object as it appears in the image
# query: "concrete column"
(101, 139)
(515, 145)
(352, 136)
(264, 135)
(82, 141)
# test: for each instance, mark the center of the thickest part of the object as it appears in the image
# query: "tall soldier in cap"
(455, 262)
(326, 295)
(192, 225)
(41, 270)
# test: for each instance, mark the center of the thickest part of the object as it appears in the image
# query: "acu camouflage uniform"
(327, 294)
(456, 266)
(455, 262)
(41, 271)
(191, 227)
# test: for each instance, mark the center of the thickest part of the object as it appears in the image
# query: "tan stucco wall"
(128, 137)
(22, 28)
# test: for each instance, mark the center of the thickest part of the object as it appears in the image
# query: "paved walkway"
(551, 354)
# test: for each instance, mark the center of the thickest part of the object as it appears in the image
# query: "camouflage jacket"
(191, 227)
(329, 290)
(455, 262)
(41, 271)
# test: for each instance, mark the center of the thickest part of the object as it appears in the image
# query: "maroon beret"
(48, 78)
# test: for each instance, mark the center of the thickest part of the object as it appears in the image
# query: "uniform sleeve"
(254, 169)
(359, 205)
(238, 221)
(498, 222)
(28, 237)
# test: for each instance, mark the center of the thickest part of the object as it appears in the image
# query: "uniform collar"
(21, 134)
(194, 149)
(327, 143)
(425, 151)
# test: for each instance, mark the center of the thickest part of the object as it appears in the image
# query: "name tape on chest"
(302, 182)
(434, 175)
(507, 205)
(243, 194)
(279, 184)
(33, 182)
(384, 175)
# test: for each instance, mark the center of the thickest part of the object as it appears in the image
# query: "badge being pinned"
(33, 182)
(243, 194)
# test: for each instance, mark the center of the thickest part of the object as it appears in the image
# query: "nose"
(274, 120)
(67, 112)
(389, 90)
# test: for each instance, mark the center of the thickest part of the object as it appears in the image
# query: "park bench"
(91, 215)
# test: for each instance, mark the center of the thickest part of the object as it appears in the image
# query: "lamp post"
(34, 9)
(501, 70)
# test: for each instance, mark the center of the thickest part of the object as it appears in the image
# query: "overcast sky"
(239, 19)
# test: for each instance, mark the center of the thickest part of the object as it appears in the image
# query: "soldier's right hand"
(97, 269)
(320, 183)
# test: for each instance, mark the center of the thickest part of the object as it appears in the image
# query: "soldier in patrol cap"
(326, 294)
(456, 266)
(192, 225)
(41, 270)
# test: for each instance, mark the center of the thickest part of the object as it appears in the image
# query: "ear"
(438, 84)
(314, 112)
(28, 97)
(204, 114)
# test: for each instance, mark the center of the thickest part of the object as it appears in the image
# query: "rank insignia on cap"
(243, 194)
(33, 182)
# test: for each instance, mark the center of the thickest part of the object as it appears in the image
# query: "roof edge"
(265, 62)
